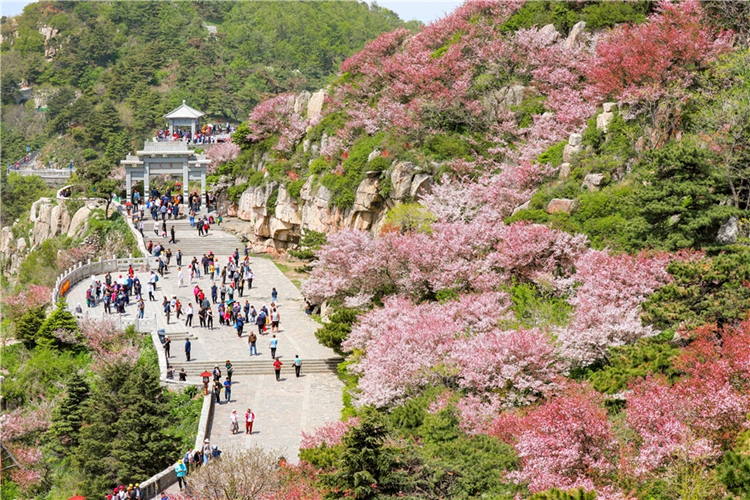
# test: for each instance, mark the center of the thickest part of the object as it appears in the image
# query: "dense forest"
(110, 70)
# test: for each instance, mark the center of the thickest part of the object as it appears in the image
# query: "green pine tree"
(93, 458)
(60, 319)
(142, 447)
(28, 325)
(67, 417)
(682, 198)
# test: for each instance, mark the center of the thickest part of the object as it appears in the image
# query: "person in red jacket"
(277, 367)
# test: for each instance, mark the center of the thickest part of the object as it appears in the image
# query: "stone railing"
(153, 486)
(81, 271)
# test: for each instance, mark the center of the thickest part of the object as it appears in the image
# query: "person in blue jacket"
(181, 471)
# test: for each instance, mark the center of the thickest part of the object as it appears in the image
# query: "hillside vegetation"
(113, 69)
(569, 300)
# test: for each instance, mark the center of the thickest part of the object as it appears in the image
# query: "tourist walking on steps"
(277, 364)
(274, 295)
(273, 344)
(172, 233)
(180, 277)
(180, 471)
(297, 365)
(230, 369)
(187, 349)
(167, 347)
(249, 419)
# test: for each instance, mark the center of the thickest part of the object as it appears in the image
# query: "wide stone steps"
(261, 366)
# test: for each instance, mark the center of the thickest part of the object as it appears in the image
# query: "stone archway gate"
(159, 158)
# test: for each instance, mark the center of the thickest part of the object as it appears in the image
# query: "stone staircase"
(192, 245)
(262, 365)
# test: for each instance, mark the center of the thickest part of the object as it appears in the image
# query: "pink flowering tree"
(646, 61)
(108, 343)
(30, 297)
(565, 443)
(276, 116)
(220, 154)
(608, 302)
(329, 434)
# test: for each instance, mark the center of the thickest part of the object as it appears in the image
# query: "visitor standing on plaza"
(234, 423)
(297, 365)
(249, 419)
(227, 390)
(251, 340)
(187, 349)
(167, 346)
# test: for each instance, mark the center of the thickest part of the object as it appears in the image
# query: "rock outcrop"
(592, 182)
(728, 232)
(315, 105)
(50, 218)
(573, 147)
(575, 34)
(604, 119)
(564, 205)
(274, 220)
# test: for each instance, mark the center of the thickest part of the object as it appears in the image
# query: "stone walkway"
(283, 409)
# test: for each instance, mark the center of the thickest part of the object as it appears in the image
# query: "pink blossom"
(222, 153)
(654, 411)
(518, 365)
(30, 297)
(660, 55)
(608, 302)
(565, 443)
(329, 434)
(108, 342)
(26, 420)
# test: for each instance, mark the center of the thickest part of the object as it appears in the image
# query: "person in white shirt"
(180, 277)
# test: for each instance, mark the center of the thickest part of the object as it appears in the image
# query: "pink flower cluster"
(410, 346)
(329, 434)
(607, 302)
(30, 297)
(277, 116)
(108, 342)
(23, 421)
(221, 153)
(567, 441)
(657, 57)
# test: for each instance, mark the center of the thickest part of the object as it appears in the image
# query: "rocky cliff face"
(275, 228)
(50, 218)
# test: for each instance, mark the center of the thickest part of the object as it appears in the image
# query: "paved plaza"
(283, 409)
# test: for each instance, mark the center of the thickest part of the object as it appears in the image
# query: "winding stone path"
(283, 409)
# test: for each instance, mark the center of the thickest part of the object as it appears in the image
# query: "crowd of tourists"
(207, 134)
